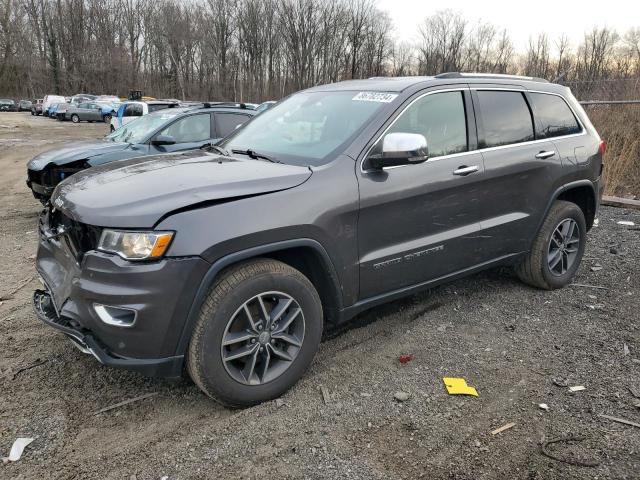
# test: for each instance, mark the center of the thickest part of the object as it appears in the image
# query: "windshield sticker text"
(375, 97)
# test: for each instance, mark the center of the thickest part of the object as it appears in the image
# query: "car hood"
(137, 193)
(74, 151)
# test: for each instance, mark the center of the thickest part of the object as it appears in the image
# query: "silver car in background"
(87, 111)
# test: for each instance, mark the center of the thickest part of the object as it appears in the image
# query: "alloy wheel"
(563, 247)
(263, 338)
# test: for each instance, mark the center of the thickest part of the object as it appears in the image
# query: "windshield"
(138, 130)
(308, 127)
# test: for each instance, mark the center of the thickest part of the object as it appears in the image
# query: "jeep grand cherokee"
(229, 263)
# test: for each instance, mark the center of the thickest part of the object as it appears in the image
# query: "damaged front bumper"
(126, 314)
(85, 341)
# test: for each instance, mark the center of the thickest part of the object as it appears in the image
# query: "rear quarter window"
(553, 115)
(506, 118)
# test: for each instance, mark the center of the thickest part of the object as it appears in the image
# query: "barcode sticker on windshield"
(381, 97)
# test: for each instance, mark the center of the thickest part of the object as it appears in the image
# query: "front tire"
(257, 332)
(557, 249)
(75, 118)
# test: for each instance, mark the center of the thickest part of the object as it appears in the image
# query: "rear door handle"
(464, 170)
(547, 154)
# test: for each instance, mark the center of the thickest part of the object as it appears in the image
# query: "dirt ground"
(517, 346)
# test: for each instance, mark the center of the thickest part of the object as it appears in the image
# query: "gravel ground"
(517, 346)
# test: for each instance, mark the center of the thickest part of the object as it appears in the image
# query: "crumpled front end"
(127, 314)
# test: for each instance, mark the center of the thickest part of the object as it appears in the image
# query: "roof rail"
(225, 104)
(489, 76)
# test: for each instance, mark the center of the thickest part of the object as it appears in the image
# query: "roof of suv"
(399, 84)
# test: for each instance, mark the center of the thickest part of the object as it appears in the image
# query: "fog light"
(116, 316)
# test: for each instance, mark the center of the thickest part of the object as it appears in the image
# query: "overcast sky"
(521, 19)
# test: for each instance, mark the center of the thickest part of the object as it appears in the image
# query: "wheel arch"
(584, 196)
(305, 254)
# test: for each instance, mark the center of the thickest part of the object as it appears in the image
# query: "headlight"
(135, 245)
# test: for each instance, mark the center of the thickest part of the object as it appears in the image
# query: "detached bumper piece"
(85, 341)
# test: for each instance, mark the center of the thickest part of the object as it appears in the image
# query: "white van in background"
(132, 109)
(49, 100)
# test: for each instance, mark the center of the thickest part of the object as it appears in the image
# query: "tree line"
(253, 50)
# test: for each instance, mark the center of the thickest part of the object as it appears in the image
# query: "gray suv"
(230, 263)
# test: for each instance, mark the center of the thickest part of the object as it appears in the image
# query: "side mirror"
(163, 140)
(400, 149)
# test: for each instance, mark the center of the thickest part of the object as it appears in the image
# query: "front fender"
(239, 256)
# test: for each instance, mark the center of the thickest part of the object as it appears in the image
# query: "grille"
(52, 176)
(79, 237)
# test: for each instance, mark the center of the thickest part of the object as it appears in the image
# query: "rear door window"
(506, 118)
(554, 116)
(195, 128)
(228, 122)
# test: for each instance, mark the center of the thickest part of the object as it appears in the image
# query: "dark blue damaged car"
(165, 131)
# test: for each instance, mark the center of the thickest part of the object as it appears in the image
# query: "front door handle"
(547, 154)
(464, 170)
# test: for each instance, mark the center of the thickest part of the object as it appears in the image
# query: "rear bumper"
(170, 367)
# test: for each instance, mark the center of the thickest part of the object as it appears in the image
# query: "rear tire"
(557, 249)
(282, 346)
(75, 118)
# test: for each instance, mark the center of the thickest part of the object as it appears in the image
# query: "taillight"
(602, 148)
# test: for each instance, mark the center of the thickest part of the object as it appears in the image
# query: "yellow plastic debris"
(458, 386)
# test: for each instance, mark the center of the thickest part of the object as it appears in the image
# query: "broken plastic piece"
(458, 386)
(577, 388)
(626, 222)
(543, 406)
(405, 358)
(16, 450)
(503, 428)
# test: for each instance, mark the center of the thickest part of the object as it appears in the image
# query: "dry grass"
(619, 126)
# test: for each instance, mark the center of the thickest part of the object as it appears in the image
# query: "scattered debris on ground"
(503, 428)
(17, 449)
(125, 402)
(458, 386)
(571, 461)
(405, 359)
(401, 396)
(620, 420)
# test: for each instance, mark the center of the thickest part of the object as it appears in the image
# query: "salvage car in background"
(36, 107)
(109, 109)
(130, 110)
(8, 105)
(164, 131)
(84, 112)
(52, 111)
(50, 100)
(24, 105)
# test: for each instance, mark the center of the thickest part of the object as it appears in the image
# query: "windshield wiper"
(255, 155)
(216, 148)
